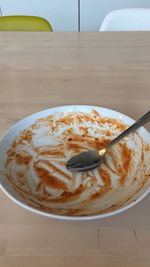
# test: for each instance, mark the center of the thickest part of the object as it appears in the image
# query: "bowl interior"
(15, 131)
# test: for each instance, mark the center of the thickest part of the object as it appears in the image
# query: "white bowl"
(14, 131)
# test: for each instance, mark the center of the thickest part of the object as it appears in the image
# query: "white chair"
(130, 19)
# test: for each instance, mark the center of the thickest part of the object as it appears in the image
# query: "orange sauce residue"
(75, 147)
(34, 126)
(19, 175)
(54, 168)
(39, 186)
(72, 212)
(84, 130)
(98, 143)
(14, 144)
(49, 179)
(79, 119)
(67, 195)
(69, 131)
(146, 148)
(54, 128)
(23, 159)
(119, 125)
(11, 152)
(76, 138)
(87, 118)
(67, 120)
(107, 184)
(55, 153)
(142, 155)
(126, 156)
(101, 193)
(108, 133)
(109, 167)
(75, 142)
(115, 162)
(48, 120)
(95, 113)
(105, 177)
(26, 135)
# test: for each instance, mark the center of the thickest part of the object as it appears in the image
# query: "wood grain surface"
(43, 70)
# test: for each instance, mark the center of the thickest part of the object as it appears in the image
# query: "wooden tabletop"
(43, 70)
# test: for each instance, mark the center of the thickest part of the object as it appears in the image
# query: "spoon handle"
(144, 119)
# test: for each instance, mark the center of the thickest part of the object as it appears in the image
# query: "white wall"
(62, 14)
(94, 11)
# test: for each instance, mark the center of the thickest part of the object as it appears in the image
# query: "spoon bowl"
(85, 161)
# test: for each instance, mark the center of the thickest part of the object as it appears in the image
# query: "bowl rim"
(65, 217)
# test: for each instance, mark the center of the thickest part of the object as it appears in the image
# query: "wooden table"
(42, 70)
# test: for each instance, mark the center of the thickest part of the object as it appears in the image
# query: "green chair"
(24, 23)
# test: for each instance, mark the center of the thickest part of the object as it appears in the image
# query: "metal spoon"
(89, 160)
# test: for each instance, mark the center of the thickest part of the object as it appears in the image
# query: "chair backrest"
(24, 23)
(130, 19)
